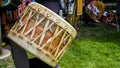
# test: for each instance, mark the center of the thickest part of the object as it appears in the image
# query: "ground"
(93, 47)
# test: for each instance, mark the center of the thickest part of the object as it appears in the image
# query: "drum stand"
(19, 56)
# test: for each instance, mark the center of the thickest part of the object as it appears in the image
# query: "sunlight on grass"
(95, 51)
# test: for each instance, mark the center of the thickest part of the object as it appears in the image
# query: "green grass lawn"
(94, 47)
(97, 47)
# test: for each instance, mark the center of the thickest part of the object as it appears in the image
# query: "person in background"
(118, 10)
(51, 4)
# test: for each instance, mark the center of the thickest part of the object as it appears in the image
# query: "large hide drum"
(43, 33)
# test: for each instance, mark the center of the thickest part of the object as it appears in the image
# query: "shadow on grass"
(101, 34)
(113, 37)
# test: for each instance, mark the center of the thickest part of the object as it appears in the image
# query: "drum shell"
(43, 33)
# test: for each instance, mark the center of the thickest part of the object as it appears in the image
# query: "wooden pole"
(117, 23)
(0, 36)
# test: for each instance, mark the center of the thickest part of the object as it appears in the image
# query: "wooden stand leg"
(0, 34)
(19, 56)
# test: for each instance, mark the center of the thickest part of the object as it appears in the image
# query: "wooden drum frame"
(43, 33)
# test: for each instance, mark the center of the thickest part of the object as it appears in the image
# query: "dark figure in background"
(54, 5)
(118, 10)
(118, 7)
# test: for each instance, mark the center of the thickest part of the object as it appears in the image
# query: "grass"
(94, 47)
(97, 48)
(7, 63)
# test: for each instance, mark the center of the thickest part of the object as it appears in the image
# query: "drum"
(43, 33)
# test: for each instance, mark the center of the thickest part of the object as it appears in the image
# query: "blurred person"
(118, 10)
